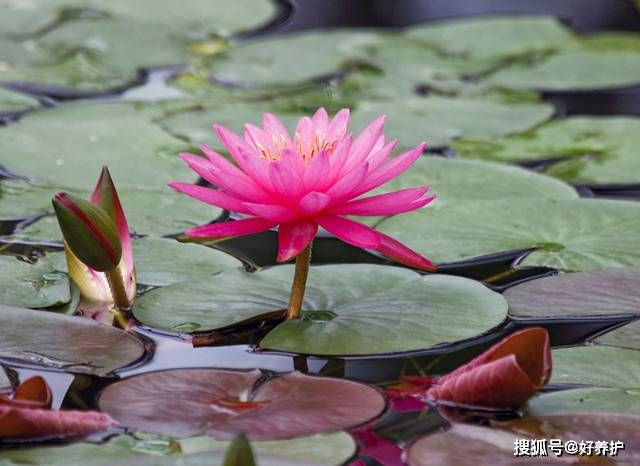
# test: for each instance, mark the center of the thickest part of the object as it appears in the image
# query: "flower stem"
(118, 291)
(299, 283)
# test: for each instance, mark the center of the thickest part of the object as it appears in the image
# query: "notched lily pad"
(59, 342)
(599, 366)
(585, 399)
(221, 403)
(607, 292)
(571, 235)
(343, 312)
(32, 285)
(627, 336)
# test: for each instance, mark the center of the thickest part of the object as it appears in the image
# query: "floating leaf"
(600, 366)
(12, 101)
(5, 383)
(503, 377)
(87, 137)
(32, 285)
(573, 70)
(343, 308)
(222, 403)
(20, 200)
(161, 262)
(597, 149)
(325, 449)
(493, 37)
(607, 292)
(457, 181)
(582, 234)
(585, 399)
(55, 341)
(627, 336)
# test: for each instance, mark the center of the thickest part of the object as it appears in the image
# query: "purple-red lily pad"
(186, 402)
(582, 294)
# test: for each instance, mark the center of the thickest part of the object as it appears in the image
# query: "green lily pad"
(581, 234)
(32, 285)
(599, 366)
(223, 403)
(458, 181)
(585, 399)
(342, 310)
(5, 383)
(199, 16)
(599, 293)
(600, 149)
(326, 449)
(161, 262)
(178, 213)
(627, 336)
(53, 341)
(293, 59)
(573, 70)
(12, 101)
(66, 146)
(493, 37)
(19, 200)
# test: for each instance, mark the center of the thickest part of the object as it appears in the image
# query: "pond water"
(538, 176)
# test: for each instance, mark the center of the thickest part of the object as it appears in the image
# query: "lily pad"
(464, 444)
(201, 16)
(32, 285)
(627, 336)
(60, 147)
(53, 341)
(293, 59)
(161, 262)
(600, 366)
(585, 399)
(493, 37)
(581, 234)
(573, 70)
(597, 149)
(221, 403)
(12, 101)
(5, 383)
(20, 200)
(343, 309)
(325, 449)
(604, 292)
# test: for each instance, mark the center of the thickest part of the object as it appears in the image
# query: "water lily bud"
(89, 231)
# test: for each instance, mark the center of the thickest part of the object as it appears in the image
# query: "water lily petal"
(294, 237)
(233, 228)
(386, 204)
(363, 144)
(397, 251)
(274, 127)
(316, 173)
(343, 189)
(390, 170)
(247, 158)
(349, 231)
(314, 202)
(273, 212)
(338, 125)
(320, 120)
(211, 196)
(286, 177)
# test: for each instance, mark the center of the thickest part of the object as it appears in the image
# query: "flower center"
(308, 149)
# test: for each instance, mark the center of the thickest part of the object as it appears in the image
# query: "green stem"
(118, 290)
(299, 283)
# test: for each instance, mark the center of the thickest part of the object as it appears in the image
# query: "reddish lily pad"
(503, 377)
(53, 341)
(627, 336)
(220, 403)
(583, 294)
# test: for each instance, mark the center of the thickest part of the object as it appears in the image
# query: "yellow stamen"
(279, 143)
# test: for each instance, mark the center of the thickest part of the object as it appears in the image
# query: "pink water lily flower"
(314, 179)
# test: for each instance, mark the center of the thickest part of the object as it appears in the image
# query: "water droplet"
(187, 327)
